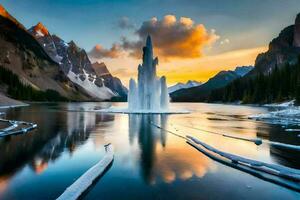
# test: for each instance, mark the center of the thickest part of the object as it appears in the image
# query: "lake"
(149, 163)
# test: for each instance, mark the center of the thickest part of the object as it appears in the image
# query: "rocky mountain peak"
(284, 49)
(296, 42)
(223, 72)
(40, 29)
(243, 70)
(72, 43)
(73, 47)
(100, 68)
(192, 82)
(5, 14)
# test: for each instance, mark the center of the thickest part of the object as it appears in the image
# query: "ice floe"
(281, 105)
(251, 166)
(13, 106)
(292, 130)
(289, 116)
(278, 174)
(286, 114)
(16, 127)
(86, 180)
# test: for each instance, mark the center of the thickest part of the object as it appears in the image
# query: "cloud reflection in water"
(158, 161)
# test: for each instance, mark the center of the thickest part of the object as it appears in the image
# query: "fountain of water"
(150, 93)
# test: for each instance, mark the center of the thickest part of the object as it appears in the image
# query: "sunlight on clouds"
(200, 69)
(188, 22)
(204, 68)
(100, 52)
(172, 39)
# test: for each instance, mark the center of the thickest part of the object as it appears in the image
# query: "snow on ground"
(39, 34)
(16, 127)
(284, 114)
(103, 93)
(74, 191)
(281, 105)
(288, 116)
(292, 130)
(273, 169)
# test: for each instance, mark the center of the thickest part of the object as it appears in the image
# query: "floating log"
(13, 128)
(86, 180)
(272, 173)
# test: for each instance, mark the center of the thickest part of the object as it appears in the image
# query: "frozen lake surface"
(149, 163)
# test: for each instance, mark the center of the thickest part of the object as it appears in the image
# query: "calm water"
(149, 163)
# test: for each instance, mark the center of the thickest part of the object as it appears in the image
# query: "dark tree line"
(279, 85)
(17, 90)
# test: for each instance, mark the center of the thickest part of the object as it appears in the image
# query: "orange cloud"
(172, 38)
(99, 52)
(204, 68)
(200, 69)
(172, 163)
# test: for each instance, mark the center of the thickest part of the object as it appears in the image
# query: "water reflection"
(281, 155)
(148, 136)
(58, 132)
(148, 160)
(158, 161)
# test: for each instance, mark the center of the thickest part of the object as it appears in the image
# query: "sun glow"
(182, 70)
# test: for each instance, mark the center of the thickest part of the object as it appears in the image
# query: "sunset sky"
(194, 39)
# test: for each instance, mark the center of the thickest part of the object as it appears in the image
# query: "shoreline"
(7, 102)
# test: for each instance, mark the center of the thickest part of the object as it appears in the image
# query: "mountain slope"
(243, 70)
(75, 63)
(24, 56)
(6, 101)
(275, 76)
(201, 93)
(282, 50)
(109, 80)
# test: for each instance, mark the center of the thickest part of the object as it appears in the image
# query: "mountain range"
(43, 62)
(275, 77)
(179, 86)
(244, 83)
(25, 57)
(46, 62)
(201, 92)
(74, 62)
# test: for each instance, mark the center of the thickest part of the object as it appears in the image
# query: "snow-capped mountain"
(179, 86)
(112, 82)
(75, 63)
(87, 81)
(243, 70)
(201, 92)
(23, 56)
(41, 33)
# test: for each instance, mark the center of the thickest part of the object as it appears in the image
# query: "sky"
(193, 39)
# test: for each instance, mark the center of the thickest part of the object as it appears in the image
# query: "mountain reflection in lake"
(52, 138)
(149, 162)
